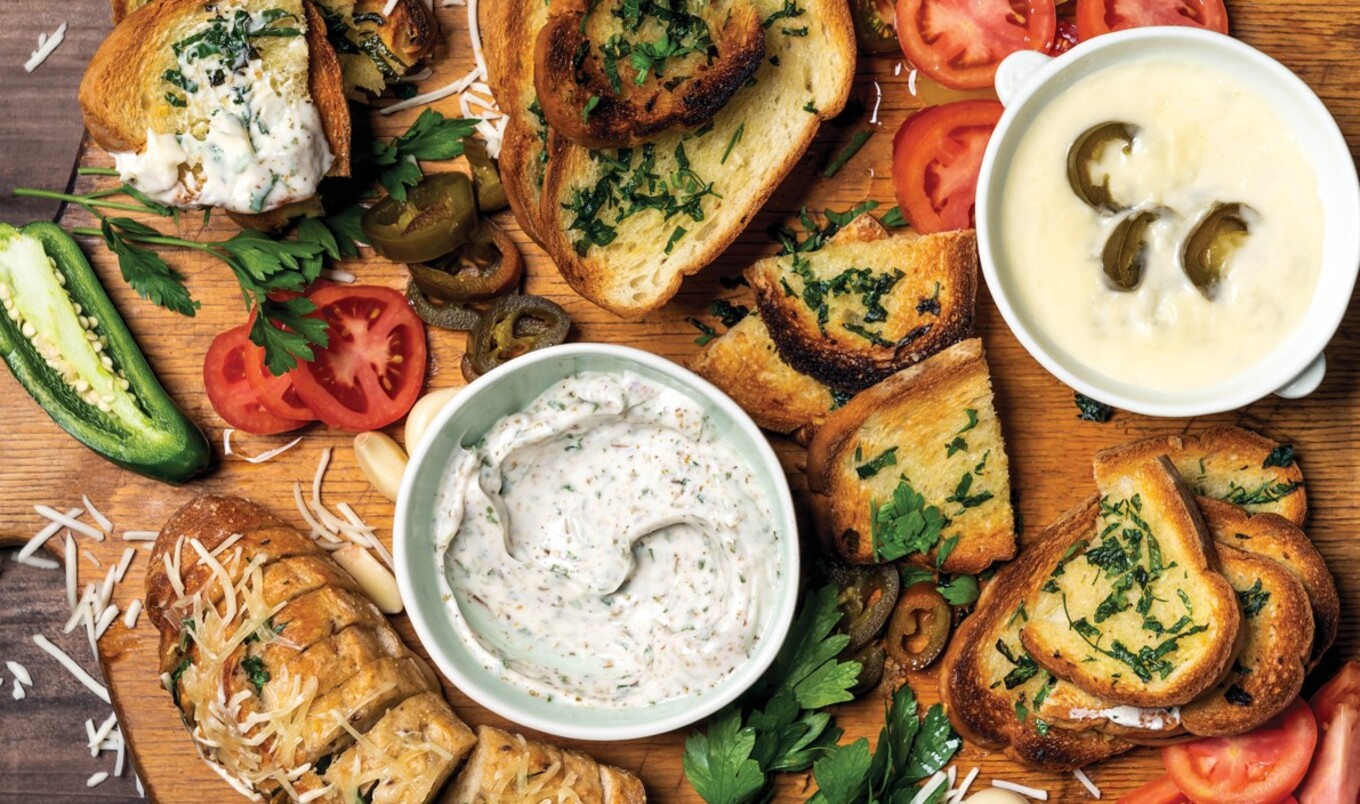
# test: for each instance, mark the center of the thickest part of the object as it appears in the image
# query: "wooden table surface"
(42, 738)
(1048, 448)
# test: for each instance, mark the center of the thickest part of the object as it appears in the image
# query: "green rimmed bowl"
(509, 389)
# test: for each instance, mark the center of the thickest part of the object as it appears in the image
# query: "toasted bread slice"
(1275, 537)
(595, 96)
(932, 431)
(987, 679)
(360, 702)
(869, 303)
(373, 51)
(1069, 707)
(1137, 613)
(1229, 464)
(526, 145)
(168, 108)
(746, 365)
(626, 226)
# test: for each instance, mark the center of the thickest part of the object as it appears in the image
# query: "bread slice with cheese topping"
(915, 467)
(1137, 611)
(508, 768)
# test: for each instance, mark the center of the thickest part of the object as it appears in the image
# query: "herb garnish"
(1253, 599)
(886, 458)
(905, 524)
(1025, 666)
(1090, 410)
(1265, 494)
(707, 333)
(433, 137)
(847, 153)
(893, 218)
(961, 589)
(256, 672)
(962, 496)
(727, 313)
(1282, 456)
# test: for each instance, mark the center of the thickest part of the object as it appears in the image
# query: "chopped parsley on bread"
(237, 105)
(1136, 611)
(915, 467)
(868, 304)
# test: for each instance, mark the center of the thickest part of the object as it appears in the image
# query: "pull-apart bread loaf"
(888, 302)
(294, 686)
(236, 104)
(926, 439)
(376, 45)
(626, 224)
(991, 686)
(1136, 611)
(279, 666)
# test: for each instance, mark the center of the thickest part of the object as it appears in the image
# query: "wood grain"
(1049, 448)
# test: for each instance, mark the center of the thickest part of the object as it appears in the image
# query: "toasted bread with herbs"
(625, 226)
(610, 74)
(868, 303)
(375, 49)
(745, 364)
(1277, 538)
(525, 147)
(1236, 466)
(134, 86)
(990, 686)
(1137, 612)
(510, 769)
(915, 467)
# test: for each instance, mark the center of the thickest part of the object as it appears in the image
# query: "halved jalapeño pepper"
(1085, 155)
(67, 346)
(487, 266)
(485, 177)
(1211, 244)
(1125, 254)
(438, 216)
(513, 327)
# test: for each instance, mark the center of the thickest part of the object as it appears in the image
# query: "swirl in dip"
(1196, 139)
(606, 547)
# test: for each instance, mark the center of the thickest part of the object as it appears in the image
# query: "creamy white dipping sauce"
(607, 547)
(1204, 137)
(257, 142)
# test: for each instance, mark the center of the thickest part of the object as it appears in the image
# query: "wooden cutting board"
(1049, 448)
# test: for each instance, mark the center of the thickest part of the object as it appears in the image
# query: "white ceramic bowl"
(1026, 82)
(509, 389)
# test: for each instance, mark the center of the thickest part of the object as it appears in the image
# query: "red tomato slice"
(276, 394)
(936, 157)
(1158, 791)
(1335, 775)
(224, 378)
(1096, 17)
(373, 366)
(960, 42)
(1260, 767)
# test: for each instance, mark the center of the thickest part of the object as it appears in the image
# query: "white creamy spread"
(1133, 717)
(1204, 137)
(255, 140)
(607, 547)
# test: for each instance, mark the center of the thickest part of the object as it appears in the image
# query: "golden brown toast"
(1275, 537)
(124, 93)
(869, 303)
(935, 425)
(599, 87)
(625, 226)
(373, 49)
(1229, 464)
(1137, 612)
(987, 679)
(746, 365)
(510, 769)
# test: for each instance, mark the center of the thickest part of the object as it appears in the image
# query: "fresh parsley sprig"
(730, 762)
(433, 137)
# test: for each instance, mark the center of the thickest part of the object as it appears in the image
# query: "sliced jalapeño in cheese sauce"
(607, 547)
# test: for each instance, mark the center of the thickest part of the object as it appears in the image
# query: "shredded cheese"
(70, 571)
(20, 673)
(37, 562)
(41, 537)
(69, 521)
(140, 535)
(74, 669)
(18, 690)
(267, 455)
(97, 779)
(105, 620)
(46, 46)
(134, 610)
(965, 784)
(1087, 783)
(99, 519)
(93, 559)
(930, 787)
(125, 562)
(1024, 790)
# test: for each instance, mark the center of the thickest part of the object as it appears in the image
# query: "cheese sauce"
(1203, 137)
(605, 546)
(255, 141)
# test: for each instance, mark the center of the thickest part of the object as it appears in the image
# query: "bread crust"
(979, 706)
(849, 362)
(1184, 541)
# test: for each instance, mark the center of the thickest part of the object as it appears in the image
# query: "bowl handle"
(1307, 381)
(1015, 72)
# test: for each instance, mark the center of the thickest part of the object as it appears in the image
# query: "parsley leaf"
(887, 457)
(960, 591)
(1253, 600)
(148, 274)
(1282, 456)
(433, 137)
(718, 761)
(912, 575)
(904, 524)
(843, 774)
(1090, 410)
(256, 672)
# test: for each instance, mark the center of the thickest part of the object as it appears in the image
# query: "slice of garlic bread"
(1137, 613)
(869, 303)
(915, 467)
(625, 226)
(745, 364)
(1236, 466)
(1275, 537)
(237, 104)
(991, 687)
